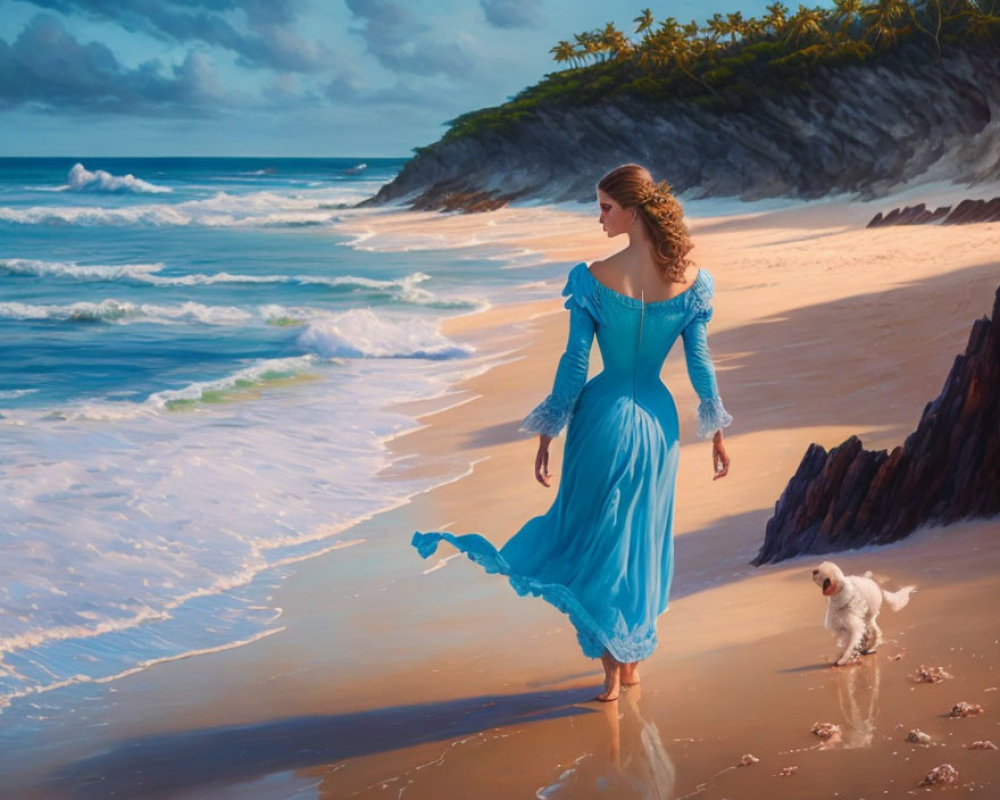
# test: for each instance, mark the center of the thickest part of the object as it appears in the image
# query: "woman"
(603, 553)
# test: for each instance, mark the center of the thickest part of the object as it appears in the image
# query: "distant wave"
(81, 179)
(355, 333)
(13, 394)
(400, 290)
(254, 209)
(70, 269)
(111, 310)
(361, 333)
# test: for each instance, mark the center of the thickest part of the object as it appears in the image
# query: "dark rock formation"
(859, 128)
(948, 468)
(966, 212)
(975, 211)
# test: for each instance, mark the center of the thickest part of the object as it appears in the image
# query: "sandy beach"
(396, 677)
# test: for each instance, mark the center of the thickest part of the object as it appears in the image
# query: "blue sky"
(276, 77)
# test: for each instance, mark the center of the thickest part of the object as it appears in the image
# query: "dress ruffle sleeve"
(551, 415)
(712, 415)
(580, 292)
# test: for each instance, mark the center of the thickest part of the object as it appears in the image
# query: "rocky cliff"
(948, 468)
(856, 127)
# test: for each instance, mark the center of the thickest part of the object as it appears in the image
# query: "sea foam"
(405, 289)
(111, 310)
(80, 179)
(361, 333)
(221, 210)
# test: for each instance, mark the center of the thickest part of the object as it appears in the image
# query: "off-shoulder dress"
(603, 552)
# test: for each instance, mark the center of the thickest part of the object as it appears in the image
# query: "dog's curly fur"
(853, 603)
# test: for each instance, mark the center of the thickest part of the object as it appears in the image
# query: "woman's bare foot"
(630, 674)
(612, 684)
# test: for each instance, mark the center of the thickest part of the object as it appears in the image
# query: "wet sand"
(395, 676)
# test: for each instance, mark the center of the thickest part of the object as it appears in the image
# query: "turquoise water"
(198, 361)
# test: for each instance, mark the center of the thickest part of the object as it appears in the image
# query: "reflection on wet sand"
(630, 763)
(857, 693)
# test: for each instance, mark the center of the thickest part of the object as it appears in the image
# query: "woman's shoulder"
(704, 283)
(580, 290)
(605, 270)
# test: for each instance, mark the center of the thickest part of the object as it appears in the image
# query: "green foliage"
(730, 60)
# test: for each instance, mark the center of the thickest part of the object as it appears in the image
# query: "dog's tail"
(897, 600)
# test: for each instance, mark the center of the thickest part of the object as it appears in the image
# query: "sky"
(291, 78)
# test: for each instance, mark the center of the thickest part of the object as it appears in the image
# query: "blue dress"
(603, 553)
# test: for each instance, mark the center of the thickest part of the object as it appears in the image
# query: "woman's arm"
(551, 415)
(712, 415)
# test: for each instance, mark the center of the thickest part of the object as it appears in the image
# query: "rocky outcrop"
(975, 211)
(948, 468)
(965, 213)
(860, 128)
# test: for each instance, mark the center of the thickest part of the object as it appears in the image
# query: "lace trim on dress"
(547, 418)
(712, 416)
(624, 647)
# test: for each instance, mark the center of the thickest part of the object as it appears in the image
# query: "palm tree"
(846, 13)
(587, 45)
(735, 23)
(982, 19)
(644, 21)
(716, 27)
(753, 28)
(563, 52)
(804, 24)
(776, 18)
(615, 42)
(684, 47)
(657, 47)
(933, 16)
(882, 18)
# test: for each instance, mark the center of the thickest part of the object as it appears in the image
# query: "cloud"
(402, 43)
(511, 13)
(46, 68)
(268, 40)
(346, 85)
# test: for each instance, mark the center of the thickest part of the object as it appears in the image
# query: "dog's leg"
(873, 638)
(856, 632)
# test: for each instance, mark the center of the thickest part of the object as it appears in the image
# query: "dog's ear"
(815, 572)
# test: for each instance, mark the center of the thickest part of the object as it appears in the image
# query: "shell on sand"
(981, 744)
(964, 709)
(824, 730)
(931, 674)
(945, 773)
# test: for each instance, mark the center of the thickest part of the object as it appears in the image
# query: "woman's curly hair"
(631, 186)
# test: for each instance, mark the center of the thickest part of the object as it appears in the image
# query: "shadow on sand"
(161, 766)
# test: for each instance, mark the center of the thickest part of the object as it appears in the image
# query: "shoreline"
(388, 662)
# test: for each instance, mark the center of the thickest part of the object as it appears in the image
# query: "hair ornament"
(654, 193)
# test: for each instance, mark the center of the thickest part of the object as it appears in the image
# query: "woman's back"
(634, 336)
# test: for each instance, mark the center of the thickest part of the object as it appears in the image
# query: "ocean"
(200, 356)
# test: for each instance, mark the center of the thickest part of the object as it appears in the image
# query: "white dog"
(852, 606)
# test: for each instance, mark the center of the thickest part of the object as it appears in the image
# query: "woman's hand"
(542, 460)
(719, 458)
